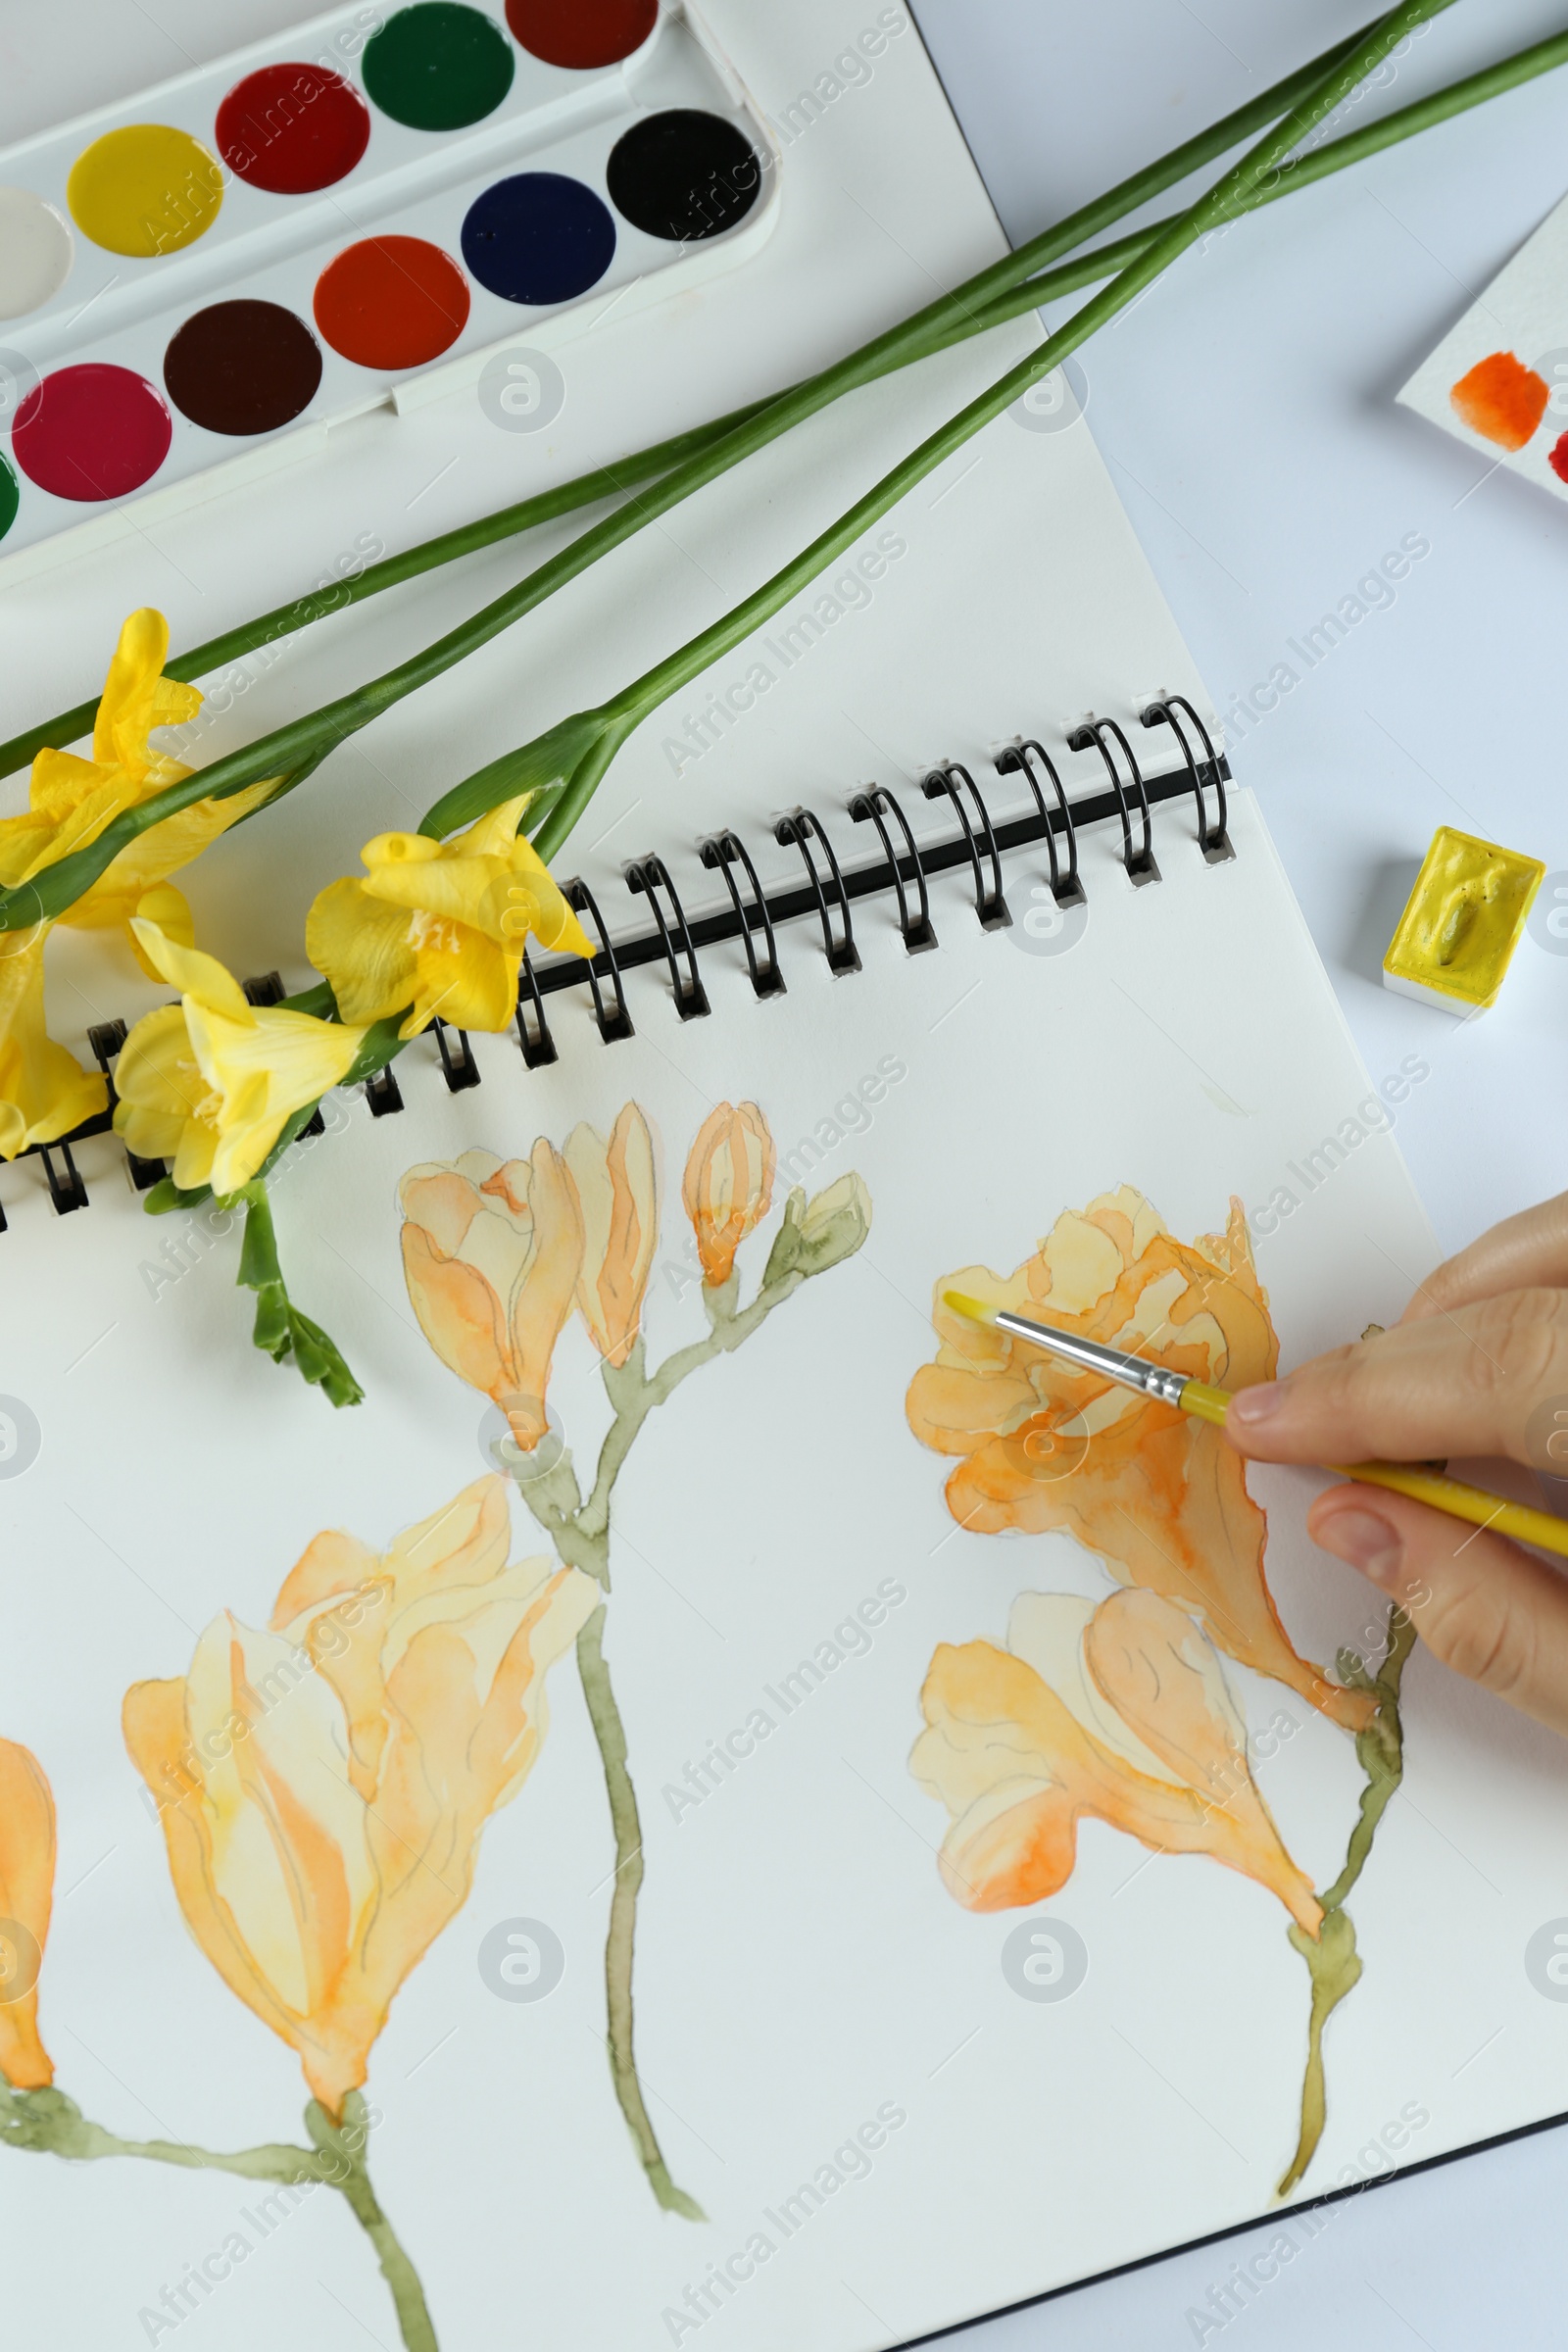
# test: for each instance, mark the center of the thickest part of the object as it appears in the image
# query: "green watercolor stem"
(620, 1942)
(580, 1533)
(48, 2122)
(984, 302)
(635, 1394)
(354, 2185)
(1333, 1961)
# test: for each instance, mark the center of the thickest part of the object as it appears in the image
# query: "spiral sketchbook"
(723, 1805)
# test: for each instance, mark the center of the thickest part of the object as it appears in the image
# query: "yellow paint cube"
(1463, 920)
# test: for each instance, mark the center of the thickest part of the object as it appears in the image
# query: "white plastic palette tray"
(130, 375)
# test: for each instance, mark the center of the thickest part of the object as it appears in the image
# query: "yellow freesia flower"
(72, 800)
(211, 1082)
(44, 1090)
(440, 926)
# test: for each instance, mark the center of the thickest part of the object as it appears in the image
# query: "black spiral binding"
(801, 827)
(1214, 844)
(534, 1030)
(66, 1188)
(615, 1024)
(646, 877)
(990, 905)
(827, 890)
(383, 1093)
(722, 851)
(1066, 888)
(877, 804)
(1140, 862)
(457, 1065)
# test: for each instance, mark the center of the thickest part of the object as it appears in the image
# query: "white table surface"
(1246, 411)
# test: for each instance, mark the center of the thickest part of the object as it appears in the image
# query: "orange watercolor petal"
(26, 1890)
(458, 1313)
(153, 1719)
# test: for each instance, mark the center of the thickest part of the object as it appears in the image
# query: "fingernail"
(1367, 1541)
(1253, 1405)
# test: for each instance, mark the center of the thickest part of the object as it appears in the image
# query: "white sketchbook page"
(798, 1965)
(1524, 311)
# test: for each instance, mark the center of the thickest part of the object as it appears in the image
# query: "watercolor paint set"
(364, 209)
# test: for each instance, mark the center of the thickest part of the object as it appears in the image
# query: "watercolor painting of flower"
(1122, 1710)
(322, 1785)
(499, 1256)
(323, 1782)
(319, 1847)
(27, 1897)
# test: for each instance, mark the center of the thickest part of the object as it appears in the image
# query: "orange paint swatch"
(1502, 399)
(392, 302)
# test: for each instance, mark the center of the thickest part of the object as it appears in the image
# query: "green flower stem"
(287, 747)
(641, 465)
(287, 620)
(48, 2122)
(281, 1331)
(67, 881)
(964, 304)
(619, 1945)
(1332, 1959)
(1212, 209)
(1298, 172)
(1088, 269)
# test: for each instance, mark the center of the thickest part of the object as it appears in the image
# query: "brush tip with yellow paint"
(961, 1304)
(1462, 922)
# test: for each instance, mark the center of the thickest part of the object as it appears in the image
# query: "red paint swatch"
(92, 432)
(1557, 458)
(1501, 399)
(293, 127)
(581, 32)
(392, 302)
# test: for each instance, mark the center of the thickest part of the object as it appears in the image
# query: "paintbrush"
(1450, 1495)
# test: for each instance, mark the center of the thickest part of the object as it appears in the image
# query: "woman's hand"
(1477, 1365)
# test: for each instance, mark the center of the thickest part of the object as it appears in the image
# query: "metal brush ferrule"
(1090, 1355)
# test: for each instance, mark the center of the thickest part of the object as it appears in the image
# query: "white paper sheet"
(1498, 380)
(800, 1970)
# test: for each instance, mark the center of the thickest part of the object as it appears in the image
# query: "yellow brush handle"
(1450, 1495)
(1460, 1501)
